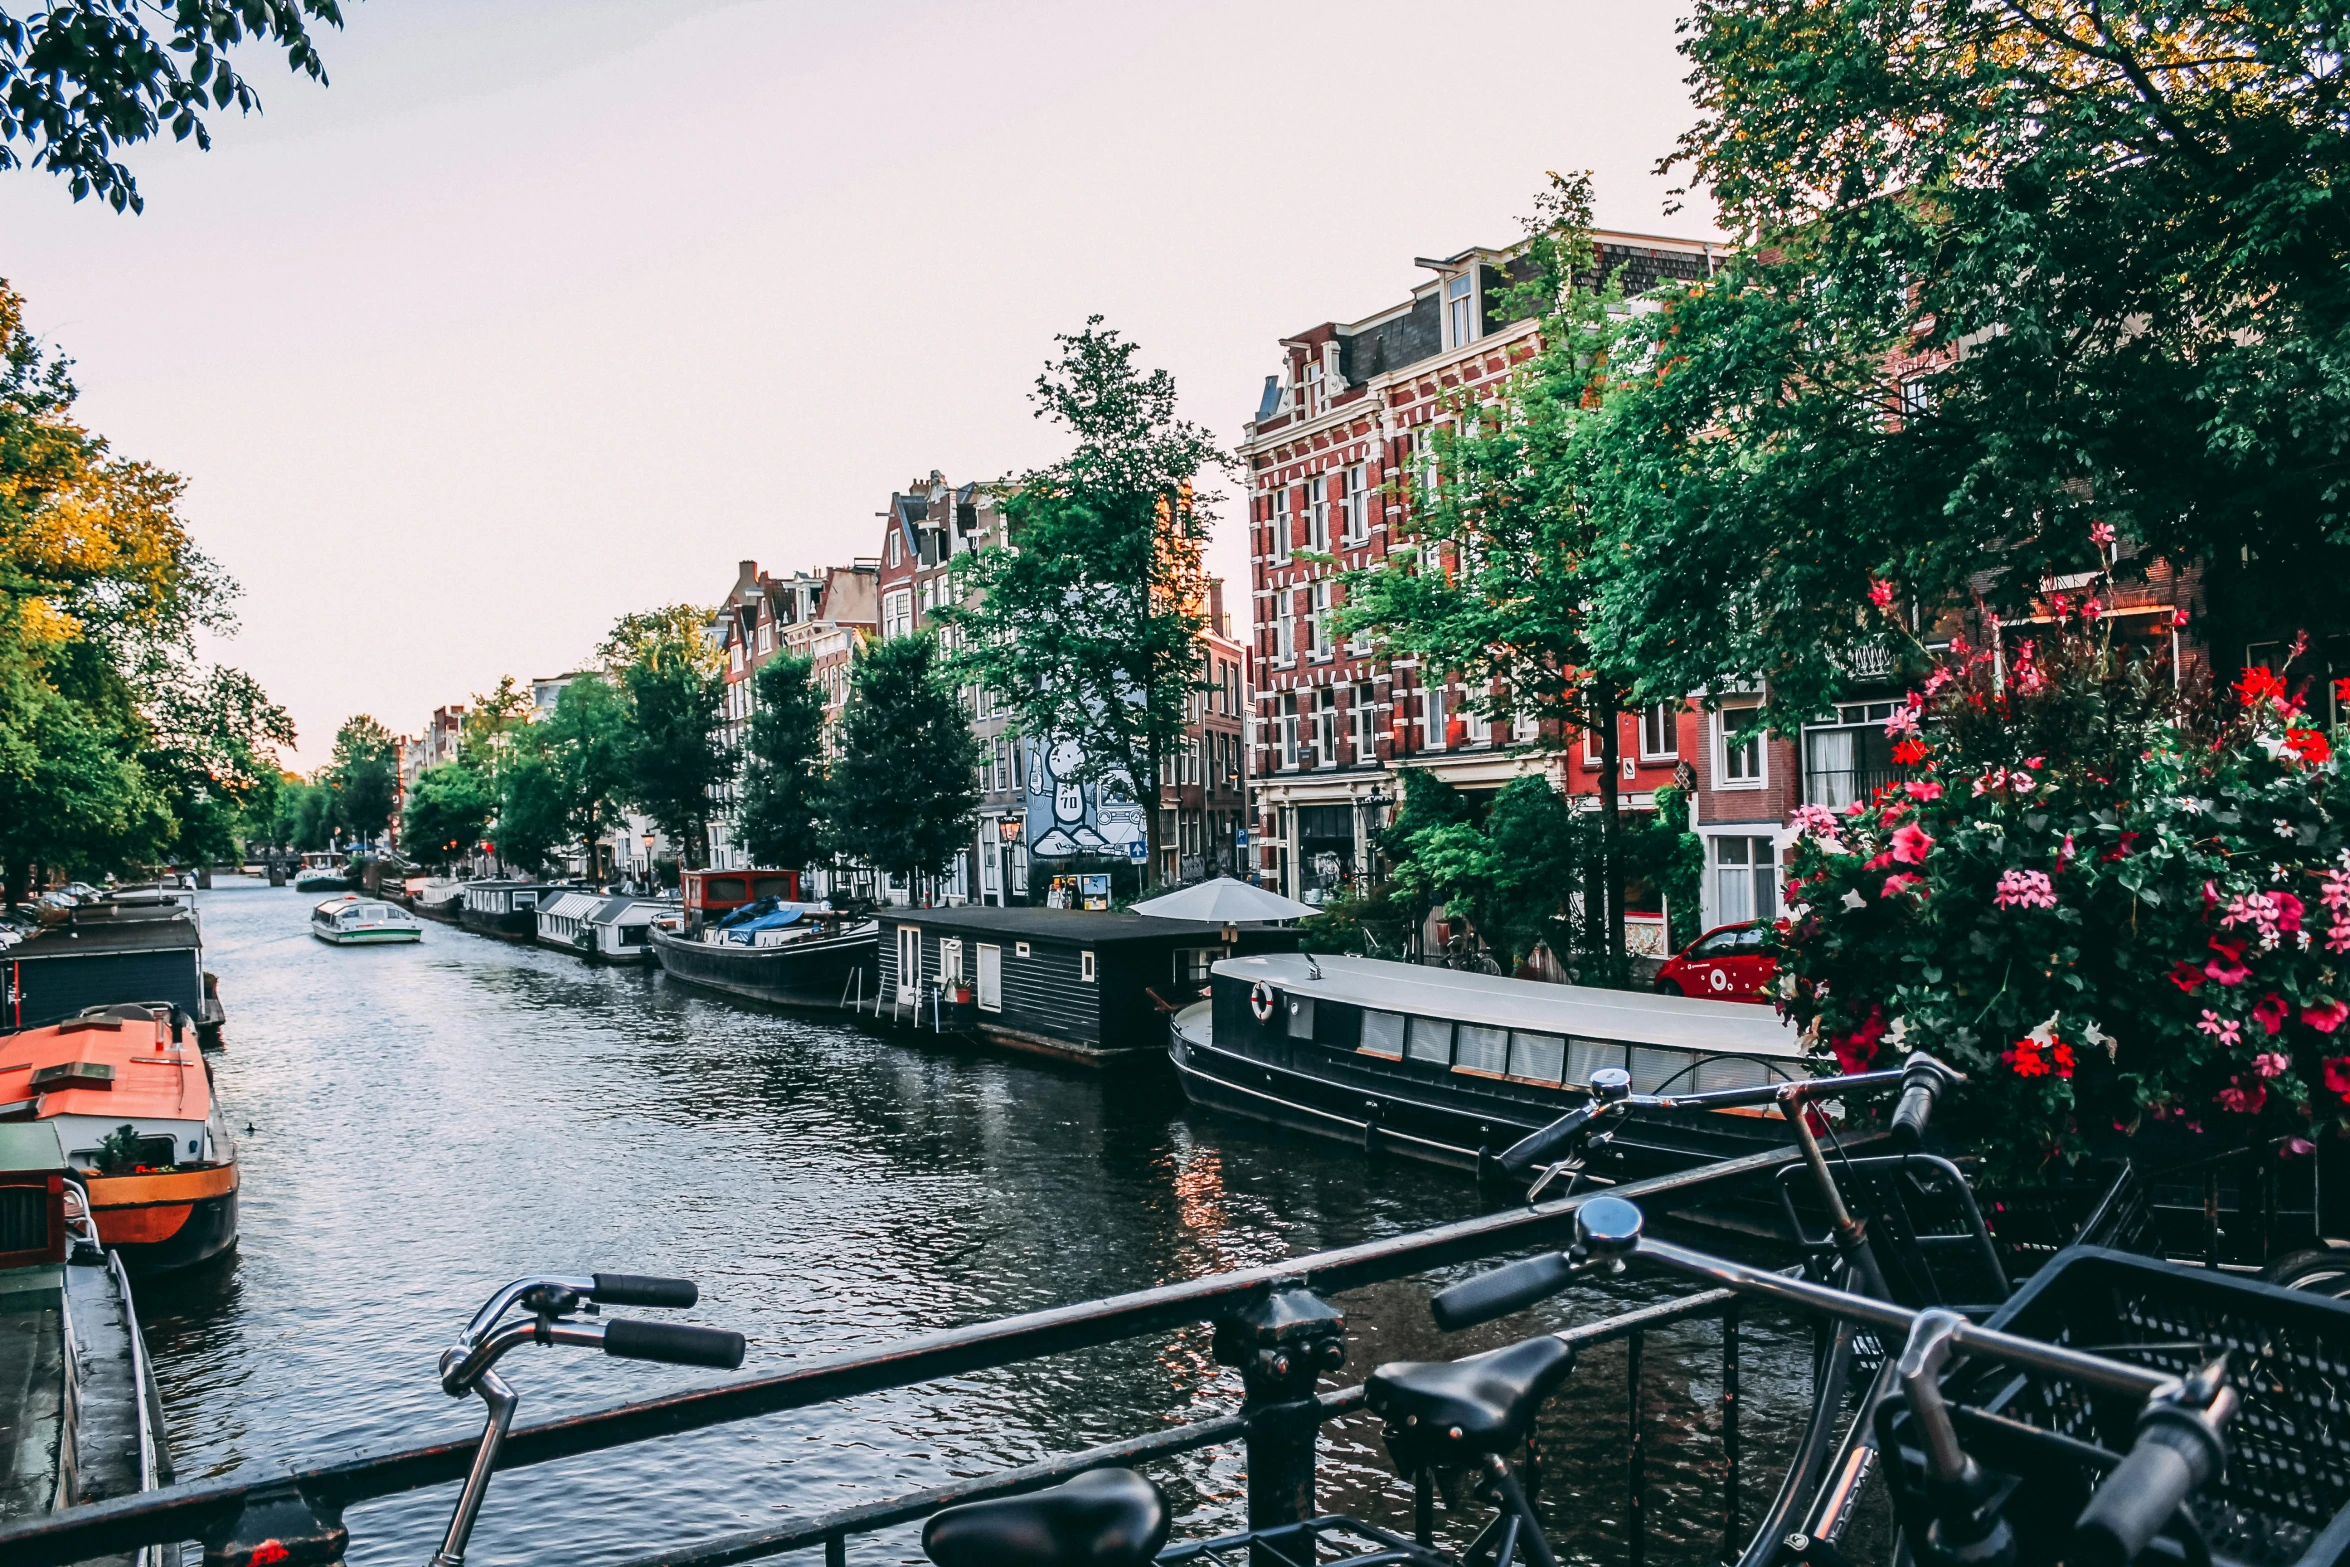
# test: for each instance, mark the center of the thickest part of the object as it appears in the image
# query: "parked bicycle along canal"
(429, 1121)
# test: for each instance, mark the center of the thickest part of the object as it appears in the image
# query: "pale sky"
(547, 310)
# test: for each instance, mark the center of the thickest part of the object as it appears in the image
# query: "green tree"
(1090, 618)
(80, 78)
(675, 754)
(492, 721)
(904, 787)
(364, 775)
(446, 813)
(587, 740)
(1497, 581)
(212, 754)
(534, 807)
(2007, 272)
(785, 805)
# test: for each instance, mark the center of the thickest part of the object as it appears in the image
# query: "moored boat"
(322, 872)
(353, 921)
(809, 959)
(133, 948)
(503, 908)
(1453, 1067)
(131, 1099)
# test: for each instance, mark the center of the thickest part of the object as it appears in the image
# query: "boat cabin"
(562, 919)
(103, 954)
(620, 929)
(710, 895)
(1084, 985)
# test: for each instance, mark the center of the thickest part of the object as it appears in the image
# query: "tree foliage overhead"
(785, 799)
(1089, 618)
(2006, 269)
(904, 787)
(446, 813)
(669, 671)
(80, 79)
(364, 774)
(587, 740)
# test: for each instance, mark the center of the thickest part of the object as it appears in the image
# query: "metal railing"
(1270, 1323)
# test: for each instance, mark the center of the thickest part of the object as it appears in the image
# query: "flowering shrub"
(2111, 903)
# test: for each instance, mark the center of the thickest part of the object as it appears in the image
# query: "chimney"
(1223, 627)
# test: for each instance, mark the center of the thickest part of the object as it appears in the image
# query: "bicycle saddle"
(1453, 1409)
(1103, 1518)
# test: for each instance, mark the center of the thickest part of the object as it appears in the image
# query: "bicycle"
(469, 1364)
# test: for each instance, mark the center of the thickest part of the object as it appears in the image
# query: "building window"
(1326, 727)
(1460, 309)
(1312, 387)
(1746, 880)
(1357, 507)
(1742, 746)
(1656, 732)
(1289, 728)
(897, 611)
(1365, 714)
(1318, 622)
(1433, 701)
(1281, 525)
(896, 547)
(1318, 514)
(1285, 628)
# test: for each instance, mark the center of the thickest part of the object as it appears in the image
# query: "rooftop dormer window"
(1460, 309)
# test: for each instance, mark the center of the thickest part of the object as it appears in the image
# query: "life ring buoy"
(1260, 1001)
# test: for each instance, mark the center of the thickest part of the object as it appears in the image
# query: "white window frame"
(950, 959)
(980, 987)
(1356, 506)
(1284, 628)
(1326, 727)
(1432, 715)
(1365, 711)
(897, 611)
(1281, 524)
(1726, 722)
(1460, 310)
(1289, 729)
(1318, 514)
(1318, 620)
(1666, 716)
(1086, 969)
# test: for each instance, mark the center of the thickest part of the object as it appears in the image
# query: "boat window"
(1732, 1072)
(1085, 967)
(1338, 1024)
(1383, 1035)
(1540, 1057)
(1431, 1040)
(725, 889)
(1482, 1049)
(375, 911)
(1653, 1068)
(772, 887)
(1301, 1017)
(950, 960)
(526, 900)
(1586, 1056)
(1193, 963)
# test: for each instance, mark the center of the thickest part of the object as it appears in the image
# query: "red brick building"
(1336, 454)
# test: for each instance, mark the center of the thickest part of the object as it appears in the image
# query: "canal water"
(422, 1124)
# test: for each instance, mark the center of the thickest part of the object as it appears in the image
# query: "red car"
(1725, 964)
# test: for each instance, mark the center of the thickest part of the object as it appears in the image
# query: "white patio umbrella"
(1224, 901)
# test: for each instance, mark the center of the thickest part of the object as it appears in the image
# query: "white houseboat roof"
(630, 911)
(571, 905)
(1626, 1016)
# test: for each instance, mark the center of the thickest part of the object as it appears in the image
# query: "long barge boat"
(811, 964)
(1452, 1068)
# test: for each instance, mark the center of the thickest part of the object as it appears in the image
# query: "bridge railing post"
(1281, 1343)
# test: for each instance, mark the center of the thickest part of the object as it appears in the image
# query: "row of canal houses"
(1300, 742)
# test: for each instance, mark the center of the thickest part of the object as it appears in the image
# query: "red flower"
(1909, 751)
(2025, 1060)
(2325, 1019)
(2313, 748)
(2271, 1011)
(1911, 845)
(2063, 1054)
(2243, 1099)
(2338, 1075)
(2259, 684)
(2227, 970)
(2186, 976)
(2342, 689)
(2120, 849)
(1854, 1051)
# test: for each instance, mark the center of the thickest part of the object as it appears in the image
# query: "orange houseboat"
(131, 1098)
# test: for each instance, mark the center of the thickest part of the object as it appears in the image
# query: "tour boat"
(800, 954)
(322, 872)
(1453, 1067)
(353, 921)
(131, 1098)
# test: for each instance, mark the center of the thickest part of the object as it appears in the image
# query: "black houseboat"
(1454, 1067)
(504, 908)
(1092, 987)
(814, 960)
(137, 948)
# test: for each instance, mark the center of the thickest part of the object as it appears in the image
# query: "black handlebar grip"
(1537, 1147)
(1913, 1112)
(1502, 1291)
(676, 1343)
(639, 1289)
(2175, 1454)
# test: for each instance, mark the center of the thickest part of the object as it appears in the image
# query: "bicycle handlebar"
(1502, 1291)
(2177, 1450)
(1922, 1082)
(642, 1289)
(675, 1343)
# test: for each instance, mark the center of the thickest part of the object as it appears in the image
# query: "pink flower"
(2024, 890)
(1911, 845)
(2269, 1064)
(2241, 1099)
(2101, 533)
(2270, 1011)
(1817, 821)
(2223, 1029)
(1880, 593)
(2228, 967)
(2296, 1148)
(2327, 1017)
(1895, 886)
(1923, 789)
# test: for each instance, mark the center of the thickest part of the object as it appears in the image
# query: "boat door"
(909, 964)
(991, 977)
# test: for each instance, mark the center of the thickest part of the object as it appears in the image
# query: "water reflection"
(430, 1121)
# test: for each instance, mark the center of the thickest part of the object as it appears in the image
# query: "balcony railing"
(1837, 787)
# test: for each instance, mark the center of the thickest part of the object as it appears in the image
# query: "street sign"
(1138, 851)
(1240, 837)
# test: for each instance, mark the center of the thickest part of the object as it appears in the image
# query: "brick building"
(1336, 452)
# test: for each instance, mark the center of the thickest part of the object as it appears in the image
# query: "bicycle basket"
(2284, 1500)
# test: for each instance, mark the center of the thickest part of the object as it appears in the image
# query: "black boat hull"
(815, 971)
